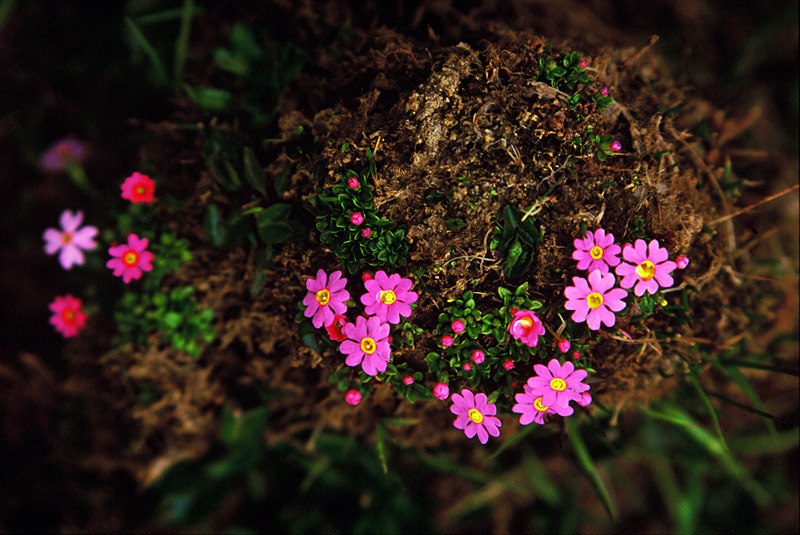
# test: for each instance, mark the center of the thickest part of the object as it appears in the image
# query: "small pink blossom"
(530, 407)
(475, 415)
(616, 146)
(467, 366)
(558, 385)
(335, 329)
(583, 63)
(366, 276)
(353, 397)
(526, 327)
(138, 188)
(61, 153)
(586, 399)
(408, 380)
(478, 356)
(353, 183)
(509, 365)
(596, 251)
(356, 218)
(597, 303)
(325, 298)
(576, 355)
(563, 345)
(388, 297)
(604, 91)
(367, 344)
(366, 233)
(441, 391)
(70, 240)
(447, 340)
(682, 262)
(128, 261)
(68, 317)
(457, 326)
(646, 266)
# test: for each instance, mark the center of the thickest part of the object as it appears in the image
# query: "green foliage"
(518, 240)
(600, 145)
(564, 72)
(386, 245)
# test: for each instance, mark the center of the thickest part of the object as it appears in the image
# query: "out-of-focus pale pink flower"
(68, 317)
(61, 153)
(70, 240)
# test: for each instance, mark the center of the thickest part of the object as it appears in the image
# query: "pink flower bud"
(576, 355)
(583, 63)
(615, 145)
(408, 380)
(508, 365)
(467, 366)
(563, 345)
(586, 399)
(353, 183)
(682, 262)
(441, 391)
(353, 397)
(457, 326)
(478, 356)
(447, 340)
(335, 328)
(604, 91)
(366, 276)
(365, 232)
(356, 218)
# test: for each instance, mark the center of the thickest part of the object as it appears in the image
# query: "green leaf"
(380, 442)
(275, 213)
(282, 181)
(272, 233)
(210, 98)
(171, 320)
(215, 231)
(150, 52)
(587, 464)
(253, 171)
(182, 42)
(455, 223)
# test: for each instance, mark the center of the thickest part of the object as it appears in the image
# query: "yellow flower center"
(646, 270)
(388, 297)
(475, 415)
(558, 384)
(68, 315)
(596, 252)
(139, 190)
(368, 346)
(66, 237)
(538, 404)
(526, 322)
(594, 300)
(323, 296)
(130, 258)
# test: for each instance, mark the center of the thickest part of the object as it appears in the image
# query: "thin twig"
(754, 205)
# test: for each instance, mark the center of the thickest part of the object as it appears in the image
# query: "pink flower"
(649, 267)
(563, 345)
(576, 355)
(67, 318)
(71, 240)
(682, 262)
(353, 183)
(138, 188)
(130, 260)
(509, 365)
(447, 340)
(616, 146)
(326, 298)
(441, 391)
(583, 63)
(408, 380)
(366, 276)
(558, 385)
(388, 297)
(530, 407)
(526, 327)
(366, 233)
(595, 304)
(586, 399)
(356, 218)
(467, 366)
(335, 329)
(353, 397)
(367, 344)
(62, 152)
(478, 356)
(457, 326)
(475, 415)
(604, 91)
(596, 251)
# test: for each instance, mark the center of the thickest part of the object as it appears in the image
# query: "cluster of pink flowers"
(595, 300)
(550, 391)
(72, 240)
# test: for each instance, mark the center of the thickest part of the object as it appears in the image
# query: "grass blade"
(707, 403)
(589, 468)
(158, 66)
(736, 375)
(182, 43)
(760, 366)
(738, 405)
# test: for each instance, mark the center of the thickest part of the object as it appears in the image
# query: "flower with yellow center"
(66, 237)
(368, 345)
(475, 415)
(596, 252)
(323, 296)
(557, 384)
(538, 405)
(388, 297)
(130, 258)
(594, 300)
(646, 270)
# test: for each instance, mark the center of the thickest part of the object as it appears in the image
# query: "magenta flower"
(508, 365)
(586, 399)
(530, 407)
(583, 63)
(604, 91)
(478, 356)
(70, 240)
(682, 262)
(138, 188)
(558, 385)
(326, 298)
(61, 153)
(388, 297)
(475, 415)
(647, 266)
(596, 251)
(447, 340)
(441, 391)
(356, 218)
(353, 397)
(367, 344)
(335, 328)
(526, 327)
(68, 318)
(130, 260)
(457, 326)
(597, 303)
(366, 233)
(616, 146)
(353, 183)
(467, 366)
(408, 380)
(563, 345)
